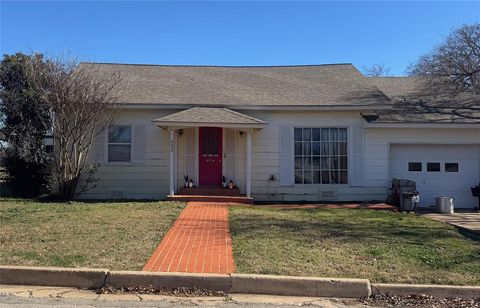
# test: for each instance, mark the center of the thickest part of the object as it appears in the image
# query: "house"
(280, 133)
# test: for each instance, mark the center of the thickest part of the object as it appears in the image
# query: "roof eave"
(261, 107)
(177, 124)
(421, 125)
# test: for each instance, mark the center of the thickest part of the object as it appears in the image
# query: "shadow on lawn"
(352, 232)
(470, 234)
(392, 237)
(366, 227)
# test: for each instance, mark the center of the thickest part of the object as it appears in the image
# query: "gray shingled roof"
(412, 106)
(227, 86)
(209, 115)
(398, 87)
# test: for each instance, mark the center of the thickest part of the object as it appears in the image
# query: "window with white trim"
(321, 155)
(120, 144)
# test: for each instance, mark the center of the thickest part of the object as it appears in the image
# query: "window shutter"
(100, 147)
(286, 156)
(357, 170)
(139, 144)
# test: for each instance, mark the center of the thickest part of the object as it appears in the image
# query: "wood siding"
(150, 180)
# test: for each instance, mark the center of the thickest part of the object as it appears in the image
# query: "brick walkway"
(198, 242)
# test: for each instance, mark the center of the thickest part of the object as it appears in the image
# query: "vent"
(116, 195)
(328, 195)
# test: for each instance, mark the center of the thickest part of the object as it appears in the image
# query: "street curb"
(300, 286)
(432, 290)
(215, 282)
(84, 278)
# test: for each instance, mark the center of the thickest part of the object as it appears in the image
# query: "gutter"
(421, 125)
(260, 107)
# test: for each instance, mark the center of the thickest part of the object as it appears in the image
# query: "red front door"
(210, 160)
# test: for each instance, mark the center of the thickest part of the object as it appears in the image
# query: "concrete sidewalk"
(467, 221)
(38, 296)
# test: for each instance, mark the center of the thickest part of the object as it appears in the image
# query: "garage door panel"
(433, 184)
(425, 151)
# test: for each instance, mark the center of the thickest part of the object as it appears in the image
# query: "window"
(210, 141)
(433, 167)
(49, 149)
(321, 156)
(451, 167)
(415, 166)
(119, 144)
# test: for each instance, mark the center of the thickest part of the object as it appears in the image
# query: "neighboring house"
(284, 133)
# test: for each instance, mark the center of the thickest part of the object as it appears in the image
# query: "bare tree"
(84, 101)
(376, 70)
(450, 75)
(453, 66)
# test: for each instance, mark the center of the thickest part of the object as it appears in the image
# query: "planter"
(475, 191)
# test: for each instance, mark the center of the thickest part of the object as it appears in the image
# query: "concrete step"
(200, 198)
(209, 191)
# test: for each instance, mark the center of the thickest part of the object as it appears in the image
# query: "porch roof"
(203, 116)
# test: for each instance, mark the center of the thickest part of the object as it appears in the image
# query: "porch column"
(172, 161)
(248, 165)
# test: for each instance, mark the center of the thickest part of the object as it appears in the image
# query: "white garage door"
(438, 170)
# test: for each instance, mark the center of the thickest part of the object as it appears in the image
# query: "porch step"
(200, 198)
(209, 191)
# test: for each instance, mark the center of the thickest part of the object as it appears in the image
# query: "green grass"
(114, 235)
(382, 246)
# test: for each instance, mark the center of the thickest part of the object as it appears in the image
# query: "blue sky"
(233, 33)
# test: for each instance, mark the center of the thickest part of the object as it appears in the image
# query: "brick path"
(198, 242)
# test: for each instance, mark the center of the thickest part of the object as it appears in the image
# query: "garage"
(438, 170)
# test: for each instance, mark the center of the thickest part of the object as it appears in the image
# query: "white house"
(283, 133)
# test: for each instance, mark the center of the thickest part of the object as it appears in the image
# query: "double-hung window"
(321, 155)
(119, 144)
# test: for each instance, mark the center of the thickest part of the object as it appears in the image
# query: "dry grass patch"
(114, 235)
(379, 245)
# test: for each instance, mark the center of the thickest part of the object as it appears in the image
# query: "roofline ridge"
(392, 77)
(226, 66)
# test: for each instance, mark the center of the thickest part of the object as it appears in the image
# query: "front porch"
(210, 150)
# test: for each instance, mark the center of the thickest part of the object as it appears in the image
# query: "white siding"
(229, 150)
(150, 180)
(137, 181)
(266, 159)
(379, 140)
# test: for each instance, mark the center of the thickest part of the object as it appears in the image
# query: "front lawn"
(379, 245)
(114, 235)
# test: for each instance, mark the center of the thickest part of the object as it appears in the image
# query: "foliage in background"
(25, 121)
(450, 75)
(453, 66)
(377, 70)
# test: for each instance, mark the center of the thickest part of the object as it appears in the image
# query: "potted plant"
(475, 190)
(186, 179)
